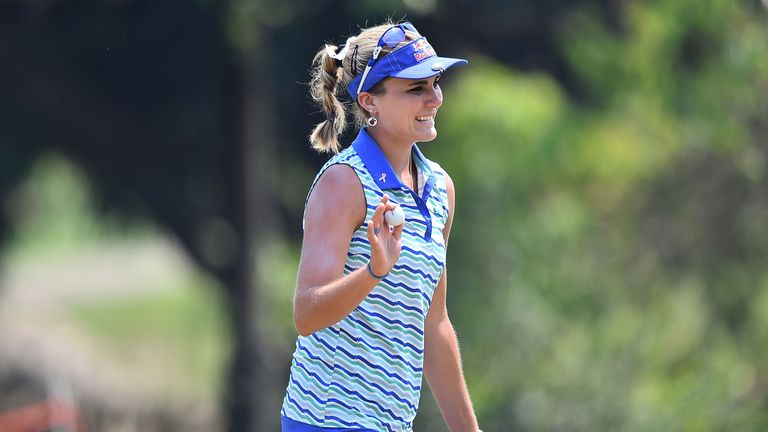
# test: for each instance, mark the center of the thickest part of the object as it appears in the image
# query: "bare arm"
(335, 209)
(442, 359)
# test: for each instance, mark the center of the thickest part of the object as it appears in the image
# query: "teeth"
(427, 118)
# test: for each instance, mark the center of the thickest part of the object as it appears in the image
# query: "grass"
(177, 337)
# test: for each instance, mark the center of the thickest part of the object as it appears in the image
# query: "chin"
(426, 136)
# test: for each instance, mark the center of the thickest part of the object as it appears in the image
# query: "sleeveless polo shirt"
(365, 372)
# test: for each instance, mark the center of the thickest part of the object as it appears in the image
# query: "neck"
(398, 153)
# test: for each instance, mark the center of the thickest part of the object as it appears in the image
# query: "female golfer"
(370, 298)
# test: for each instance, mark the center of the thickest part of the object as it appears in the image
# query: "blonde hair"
(330, 78)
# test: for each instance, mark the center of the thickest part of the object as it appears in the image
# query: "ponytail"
(325, 78)
(331, 72)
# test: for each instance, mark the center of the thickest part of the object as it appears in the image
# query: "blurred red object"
(42, 416)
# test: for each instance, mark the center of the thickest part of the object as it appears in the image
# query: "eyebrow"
(421, 82)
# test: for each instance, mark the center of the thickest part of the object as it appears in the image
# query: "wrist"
(373, 274)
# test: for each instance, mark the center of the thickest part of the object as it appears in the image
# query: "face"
(406, 109)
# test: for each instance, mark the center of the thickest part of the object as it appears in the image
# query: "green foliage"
(606, 256)
(169, 332)
(53, 212)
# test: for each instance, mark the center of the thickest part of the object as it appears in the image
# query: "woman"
(370, 298)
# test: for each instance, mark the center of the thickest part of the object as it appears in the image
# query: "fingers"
(378, 219)
(378, 222)
(397, 232)
(387, 204)
(372, 233)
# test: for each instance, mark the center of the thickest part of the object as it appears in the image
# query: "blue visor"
(415, 60)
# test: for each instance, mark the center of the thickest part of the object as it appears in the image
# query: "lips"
(425, 118)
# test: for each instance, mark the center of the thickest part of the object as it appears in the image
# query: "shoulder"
(444, 180)
(445, 183)
(448, 183)
(337, 195)
(450, 191)
(449, 196)
(340, 177)
(436, 168)
(341, 170)
(347, 156)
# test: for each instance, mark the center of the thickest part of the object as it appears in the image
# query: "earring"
(372, 121)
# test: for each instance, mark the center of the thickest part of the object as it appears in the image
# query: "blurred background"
(607, 261)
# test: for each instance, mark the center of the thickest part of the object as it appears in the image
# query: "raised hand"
(385, 240)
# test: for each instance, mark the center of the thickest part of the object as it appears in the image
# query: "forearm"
(316, 308)
(442, 367)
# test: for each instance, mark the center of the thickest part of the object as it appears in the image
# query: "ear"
(366, 100)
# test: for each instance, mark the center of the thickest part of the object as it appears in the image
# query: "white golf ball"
(395, 217)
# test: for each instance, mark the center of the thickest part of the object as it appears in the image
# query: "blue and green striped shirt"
(365, 372)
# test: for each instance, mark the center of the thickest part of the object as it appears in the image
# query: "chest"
(423, 244)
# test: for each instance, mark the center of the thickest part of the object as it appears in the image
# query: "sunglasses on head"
(390, 38)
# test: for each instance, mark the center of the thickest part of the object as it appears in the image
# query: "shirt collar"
(378, 165)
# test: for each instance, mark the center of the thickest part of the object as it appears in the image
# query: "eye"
(417, 89)
(437, 82)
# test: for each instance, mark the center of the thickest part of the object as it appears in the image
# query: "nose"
(434, 97)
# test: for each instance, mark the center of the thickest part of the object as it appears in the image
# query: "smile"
(424, 118)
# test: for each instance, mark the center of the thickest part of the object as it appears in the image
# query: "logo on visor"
(383, 177)
(438, 67)
(422, 49)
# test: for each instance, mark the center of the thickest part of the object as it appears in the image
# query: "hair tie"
(331, 50)
(330, 117)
